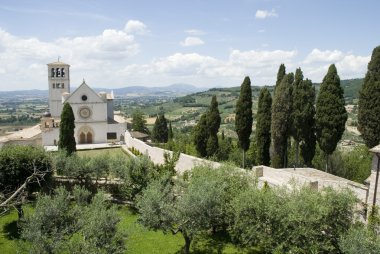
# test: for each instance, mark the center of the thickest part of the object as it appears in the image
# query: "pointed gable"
(84, 94)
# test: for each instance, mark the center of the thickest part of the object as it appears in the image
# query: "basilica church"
(95, 121)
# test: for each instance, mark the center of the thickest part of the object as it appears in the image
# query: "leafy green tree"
(213, 123)
(192, 204)
(281, 122)
(303, 127)
(263, 122)
(139, 122)
(18, 165)
(160, 129)
(244, 118)
(200, 136)
(58, 226)
(139, 172)
(360, 240)
(369, 103)
(273, 220)
(331, 115)
(66, 130)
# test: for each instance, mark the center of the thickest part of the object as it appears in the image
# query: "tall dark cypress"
(263, 122)
(213, 123)
(244, 118)
(170, 133)
(331, 115)
(200, 136)
(281, 122)
(66, 130)
(369, 102)
(160, 129)
(280, 75)
(303, 126)
(304, 122)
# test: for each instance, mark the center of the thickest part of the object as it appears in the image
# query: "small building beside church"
(94, 112)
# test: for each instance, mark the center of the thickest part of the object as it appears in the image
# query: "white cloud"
(261, 31)
(194, 32)
(23, 60)
(105, 60)
(191, 41)
(317, 55)
(136, 27)
(263, 14)
(316, 64)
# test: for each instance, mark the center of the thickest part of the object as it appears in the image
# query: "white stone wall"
(372, 183)
(185, 162)
(48, 137)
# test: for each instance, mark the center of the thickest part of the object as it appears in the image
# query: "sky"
(206, 43)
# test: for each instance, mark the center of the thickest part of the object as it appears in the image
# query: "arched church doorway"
(82, 138)
(85, 135)
(89, 138)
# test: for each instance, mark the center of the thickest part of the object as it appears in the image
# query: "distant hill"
(191, 106)
(173, 90)
(351, 88)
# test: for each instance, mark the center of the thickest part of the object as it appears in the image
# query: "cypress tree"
(213, 123)
(160, 129)
(331, 115)
(200, 136)
(263, 122)
(244, 118)
(280, 75)
(303, 126)
(304, 119)
(170, 134)
(369, 102)
(155, 131)
(66, 130)
(281, 120)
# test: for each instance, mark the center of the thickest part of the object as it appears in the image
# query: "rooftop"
(26, 133)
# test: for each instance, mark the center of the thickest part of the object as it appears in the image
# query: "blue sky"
(205, 43)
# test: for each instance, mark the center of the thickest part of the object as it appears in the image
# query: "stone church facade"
(94, 112)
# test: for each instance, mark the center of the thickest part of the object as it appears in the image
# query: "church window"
(58, 72)
(58, 85)
(84, 97)
(53, 85)
(62, 72)
(111, 135)
(63, 85)
(52, 72)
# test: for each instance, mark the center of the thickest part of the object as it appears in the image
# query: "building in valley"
(95, 121)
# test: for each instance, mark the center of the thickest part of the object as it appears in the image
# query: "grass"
(107, 151)
(139, 239)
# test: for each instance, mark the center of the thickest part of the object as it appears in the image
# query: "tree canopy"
(66, 130)
(160, 131)
(369, 102)
(281, 121)
(244, 117)
(331, 115)
(139, 122)
(263, 122)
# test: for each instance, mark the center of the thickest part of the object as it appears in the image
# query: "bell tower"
(59, 83)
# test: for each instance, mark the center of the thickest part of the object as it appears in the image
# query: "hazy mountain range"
(173, 90)
(351, 89)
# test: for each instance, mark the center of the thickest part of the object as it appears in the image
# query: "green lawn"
(117, 151)
(139, 239)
